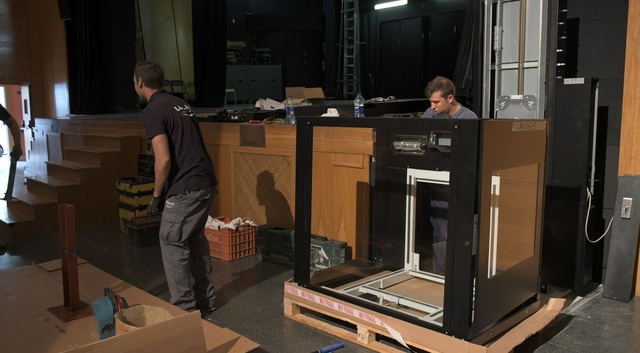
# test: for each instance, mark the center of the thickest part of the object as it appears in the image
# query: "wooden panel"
(14, 42)
(340, 201)
(629, 163)
(33, 52)
(343, 140)
(630, 129)
(264, 185)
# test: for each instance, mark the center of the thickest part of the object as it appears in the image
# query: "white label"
(574, 81)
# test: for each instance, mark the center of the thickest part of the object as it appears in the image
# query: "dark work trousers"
(185, 250)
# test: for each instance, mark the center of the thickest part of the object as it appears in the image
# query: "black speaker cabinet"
(567, 257)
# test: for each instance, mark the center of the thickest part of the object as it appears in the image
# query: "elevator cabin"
(455, 218)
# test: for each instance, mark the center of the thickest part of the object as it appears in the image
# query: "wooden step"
(75, 171)
(92, 155)
(106, 139)
(15, 211)
(51, 187)
(19, 219)
(33, 199)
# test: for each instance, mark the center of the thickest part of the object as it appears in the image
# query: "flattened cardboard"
(180, 334)
(56, 264)
(28, 291)
(313, 95)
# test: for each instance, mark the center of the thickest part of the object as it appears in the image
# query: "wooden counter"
(255, 166)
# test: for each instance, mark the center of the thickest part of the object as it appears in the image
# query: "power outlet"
(625, 211)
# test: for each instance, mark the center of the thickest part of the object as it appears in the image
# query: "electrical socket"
(625, 211)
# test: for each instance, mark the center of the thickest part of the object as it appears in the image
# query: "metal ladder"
(348, 81)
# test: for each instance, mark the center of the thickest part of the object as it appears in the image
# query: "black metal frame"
(465, 164)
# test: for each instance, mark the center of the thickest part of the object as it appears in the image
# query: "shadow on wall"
(277, 209)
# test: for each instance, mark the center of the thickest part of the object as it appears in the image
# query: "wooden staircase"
(85, 177)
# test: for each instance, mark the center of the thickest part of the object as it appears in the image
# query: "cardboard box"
(26, 313)
(138, 317)
(180, 334)
(312, 95)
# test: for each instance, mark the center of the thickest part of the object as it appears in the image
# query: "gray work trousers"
(185, 250)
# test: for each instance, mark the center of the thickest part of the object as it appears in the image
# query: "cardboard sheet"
(27, 326)
(56, 264)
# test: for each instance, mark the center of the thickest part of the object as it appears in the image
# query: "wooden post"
(73, 308)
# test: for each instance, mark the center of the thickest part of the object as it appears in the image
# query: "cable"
(586, 222)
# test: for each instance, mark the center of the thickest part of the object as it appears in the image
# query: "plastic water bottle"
(290, 115)
(358, 106)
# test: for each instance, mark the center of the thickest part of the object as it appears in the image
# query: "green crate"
(326, 253)
(275, 244)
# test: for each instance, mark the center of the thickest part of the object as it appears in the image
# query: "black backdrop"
(209, 51)
(101, 56)
(101, 42)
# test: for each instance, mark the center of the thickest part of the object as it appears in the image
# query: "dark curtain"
(101, 55)
(209, 51)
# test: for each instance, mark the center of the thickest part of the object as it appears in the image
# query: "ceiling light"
(388, 4)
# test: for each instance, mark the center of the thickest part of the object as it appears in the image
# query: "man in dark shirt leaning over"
(16, 152)
(185, 180)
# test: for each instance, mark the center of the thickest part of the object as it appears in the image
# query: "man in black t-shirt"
(185, 180)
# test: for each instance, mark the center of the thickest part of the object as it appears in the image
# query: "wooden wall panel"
(630, 129)
(14, 41)
(33, 51)
(629, 162)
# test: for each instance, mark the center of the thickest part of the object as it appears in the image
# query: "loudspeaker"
(64, 7)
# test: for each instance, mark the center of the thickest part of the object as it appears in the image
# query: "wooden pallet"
(383, 333)
(365, 335)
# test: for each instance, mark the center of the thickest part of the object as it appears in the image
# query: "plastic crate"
(275, 244)
(135, 185)
(143, 231)
(127, 212)
(135, 199)
(228, 244)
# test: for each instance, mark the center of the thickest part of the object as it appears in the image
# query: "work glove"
(16, 152)
(155, 206)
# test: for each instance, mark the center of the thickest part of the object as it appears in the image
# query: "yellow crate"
(137, 199)
(126, 212)
(135, 185)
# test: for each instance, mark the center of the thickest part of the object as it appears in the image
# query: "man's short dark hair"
(151, 74)
(442, 84)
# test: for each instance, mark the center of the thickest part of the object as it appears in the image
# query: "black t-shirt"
(191, 167)
(4, 114)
